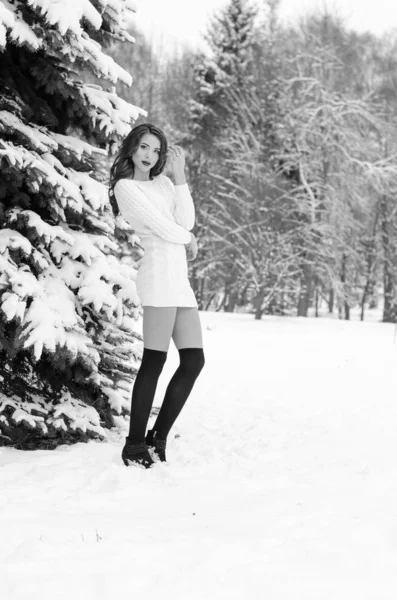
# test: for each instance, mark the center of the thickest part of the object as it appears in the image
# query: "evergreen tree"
(253, 198)
(230, 66)
(68, 309)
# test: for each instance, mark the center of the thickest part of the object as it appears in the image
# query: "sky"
(184, 21)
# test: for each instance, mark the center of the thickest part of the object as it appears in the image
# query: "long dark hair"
(123, 167)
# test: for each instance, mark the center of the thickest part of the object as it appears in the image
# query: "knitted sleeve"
(183, 212)
(133, 204)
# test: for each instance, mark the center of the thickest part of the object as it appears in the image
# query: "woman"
(162, 214)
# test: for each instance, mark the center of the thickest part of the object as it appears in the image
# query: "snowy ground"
(282, 484)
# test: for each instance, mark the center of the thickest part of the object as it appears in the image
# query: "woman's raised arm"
(133, 204)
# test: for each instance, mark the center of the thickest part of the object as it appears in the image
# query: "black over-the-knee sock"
(143, 392)
(178, 390)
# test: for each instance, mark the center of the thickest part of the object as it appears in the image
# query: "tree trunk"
(282, 302)
(258, 300)
(347, 311)
(317, 302)
(242, 301)
(371, 257)
(331, 300)
(209, 301)
(200, 301)
(218, 308)
(362, 315)
(373, 303)
(194, 281)
(231, 302)
(305, 293)
(389, 307)
(343, 277)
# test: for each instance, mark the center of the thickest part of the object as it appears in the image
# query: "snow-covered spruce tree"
(251, 209)
(68, 309)
(231, 37)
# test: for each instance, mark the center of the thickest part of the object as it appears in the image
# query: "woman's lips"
(147, 164)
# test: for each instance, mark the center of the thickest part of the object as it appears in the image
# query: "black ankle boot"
(136, 453)
(157, 444)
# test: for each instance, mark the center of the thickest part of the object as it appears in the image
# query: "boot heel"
(137, 454)
(159, 446)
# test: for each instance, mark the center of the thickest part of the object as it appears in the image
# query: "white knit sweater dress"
(161, 214)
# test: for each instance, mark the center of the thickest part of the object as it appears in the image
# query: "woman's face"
(147, 153)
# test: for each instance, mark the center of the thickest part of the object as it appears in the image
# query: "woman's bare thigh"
(158, 325)
(187, 331)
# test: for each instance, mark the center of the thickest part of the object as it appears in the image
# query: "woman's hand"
(191, 248)
(176, 164)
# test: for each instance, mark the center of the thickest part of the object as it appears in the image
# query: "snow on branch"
(30, 133)
(79, 415)
(40, 414)
(15, 28)
(86, 246)
(89, 51)
(67, 14)
(13, 239)
(73, 189)
(76, 146)
(46, 143)
(31, 413)
(94, 192)
(42, 173)
(111, 112)
(66, 17)
(51, 322)
(97, 288)
(48, 233)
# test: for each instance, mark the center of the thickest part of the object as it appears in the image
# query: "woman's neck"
(141, 175)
